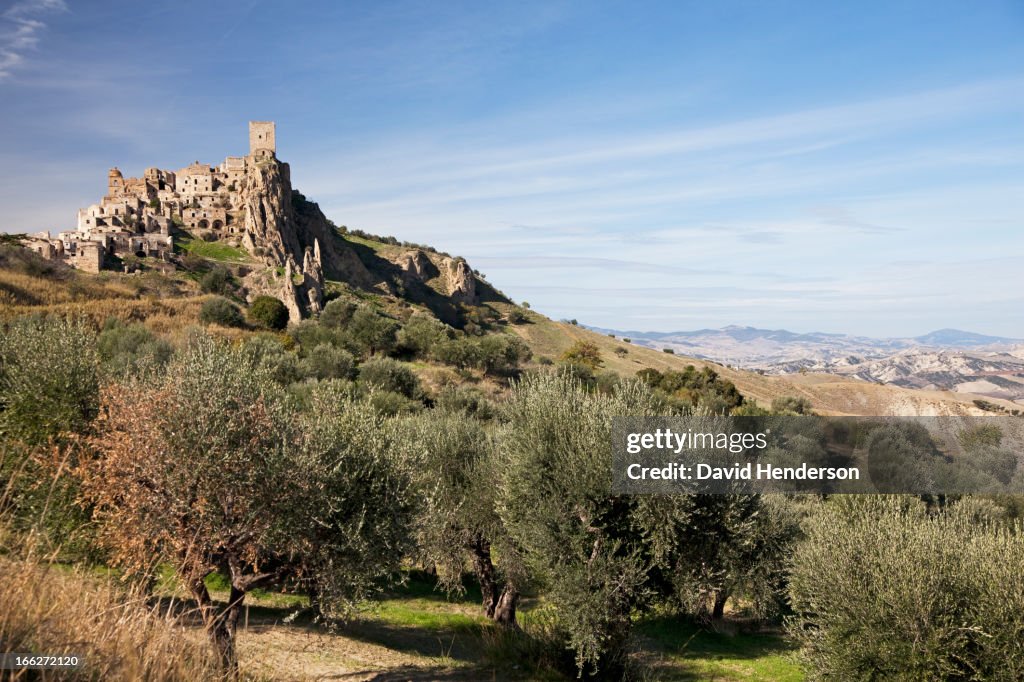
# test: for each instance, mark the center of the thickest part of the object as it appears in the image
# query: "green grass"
(691, 652)
(213, 250)
(426, 614)
(369, 243)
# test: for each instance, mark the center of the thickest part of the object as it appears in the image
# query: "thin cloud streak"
(20, 31)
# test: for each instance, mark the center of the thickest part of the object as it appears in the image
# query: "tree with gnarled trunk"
(457, 519)
(211, 469)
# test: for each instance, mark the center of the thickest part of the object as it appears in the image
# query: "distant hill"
(946, 359)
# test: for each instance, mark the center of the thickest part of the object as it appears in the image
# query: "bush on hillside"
(327, 362)
(218, 310)
(128, 350)
(501, 353)
(372, 332)
(337, 313)
(421, 333)
(269, 312)
(583, 353)
(216, 281)
(791, 405)
(388, 374)
(462, 352)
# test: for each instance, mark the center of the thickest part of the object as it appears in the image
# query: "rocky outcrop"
(461, 282)
(417, 266)
(285, 230)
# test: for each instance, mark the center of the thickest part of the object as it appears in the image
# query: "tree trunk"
(313, 592)
(223, 633)
(484, 569)
(718, 611)
(505, 612)
(220, 627)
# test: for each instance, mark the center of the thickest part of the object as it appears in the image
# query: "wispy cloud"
(21, 25)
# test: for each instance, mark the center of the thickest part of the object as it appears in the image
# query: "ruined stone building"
(138, 216)
(245, 201)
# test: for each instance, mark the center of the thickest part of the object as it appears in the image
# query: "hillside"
(404, 279)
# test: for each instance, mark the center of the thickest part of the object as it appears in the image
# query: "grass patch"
(218, 251)
(369, 243)
(692, 652)
(426, 614)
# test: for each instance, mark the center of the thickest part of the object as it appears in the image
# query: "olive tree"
(884, 588)
(49, 391)
(49, 381)
(457, 520)
(211, 470)
(355, 502)
(555, 500)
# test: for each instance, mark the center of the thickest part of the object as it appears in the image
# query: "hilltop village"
(138, 215)
(246, 202)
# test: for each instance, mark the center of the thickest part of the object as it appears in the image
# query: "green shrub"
(883, 589)
(48, 378)
(461, 352)
(372, 332)
(216, 281)
(337, 313)
(128, 350)
(583, 353)
(517, 316)
(328, 362)
(390, 403)
(791, 405)
(221, 311)
(501, 353)
(269, 312)
(49, 389)
(421, 333)
(267, 352)
(308, 334)
(388, 374)
(464, 399)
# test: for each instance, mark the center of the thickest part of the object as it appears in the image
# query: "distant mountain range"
(946, 359)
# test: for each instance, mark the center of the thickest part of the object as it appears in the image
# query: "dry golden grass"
(20, 288)
(162, 315)
(46, 609)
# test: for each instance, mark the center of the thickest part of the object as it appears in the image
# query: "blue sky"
(843, 167)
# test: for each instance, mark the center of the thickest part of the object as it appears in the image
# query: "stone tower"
(115, 183)
(261, 138)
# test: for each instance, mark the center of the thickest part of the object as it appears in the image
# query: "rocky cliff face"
(461, 281)
(286, 231)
